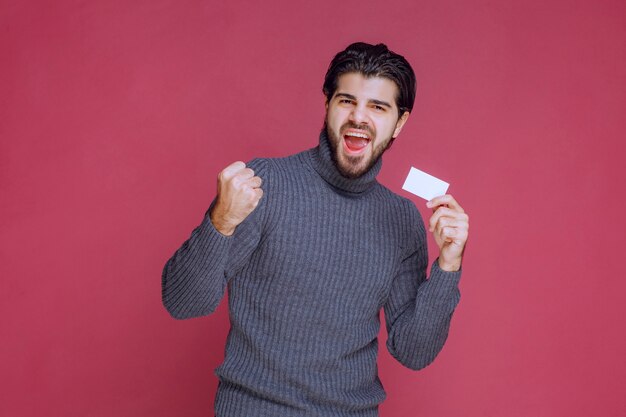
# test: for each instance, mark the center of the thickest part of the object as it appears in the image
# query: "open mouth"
(355, 141)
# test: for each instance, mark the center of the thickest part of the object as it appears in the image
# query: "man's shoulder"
(279, 162)
(397, 201)
(401, 216)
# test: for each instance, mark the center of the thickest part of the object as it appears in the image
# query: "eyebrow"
(374, 101)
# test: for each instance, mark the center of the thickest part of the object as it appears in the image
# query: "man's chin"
(349, 166)
(352, 168)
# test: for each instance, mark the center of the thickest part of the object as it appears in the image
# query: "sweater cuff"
(439, 277)
(211, 233)
(211, 242)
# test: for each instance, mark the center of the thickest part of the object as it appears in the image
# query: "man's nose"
(358, 115)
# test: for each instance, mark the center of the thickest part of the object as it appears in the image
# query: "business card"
(424, 185)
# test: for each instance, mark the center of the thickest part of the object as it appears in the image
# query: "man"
(311, 247)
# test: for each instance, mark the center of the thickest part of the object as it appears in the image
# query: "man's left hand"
(450, 225)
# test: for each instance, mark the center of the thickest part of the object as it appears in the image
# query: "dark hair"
(373, 61)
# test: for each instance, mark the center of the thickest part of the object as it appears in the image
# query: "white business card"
(424, 185)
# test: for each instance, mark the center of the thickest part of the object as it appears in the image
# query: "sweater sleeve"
(194, 279)
(418, 311)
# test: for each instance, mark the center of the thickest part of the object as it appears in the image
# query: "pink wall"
(116, 116)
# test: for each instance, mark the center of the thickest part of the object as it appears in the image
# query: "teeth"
(357, 135)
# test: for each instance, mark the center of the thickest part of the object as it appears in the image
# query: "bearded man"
(312, 247)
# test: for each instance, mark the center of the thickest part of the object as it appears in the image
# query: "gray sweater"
(307, 274)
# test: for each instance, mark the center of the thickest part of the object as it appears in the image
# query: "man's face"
(361, 120)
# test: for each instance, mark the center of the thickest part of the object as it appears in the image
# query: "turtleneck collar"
(323, 163)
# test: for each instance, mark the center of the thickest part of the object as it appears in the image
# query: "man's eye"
(379, 107)
(345, 100)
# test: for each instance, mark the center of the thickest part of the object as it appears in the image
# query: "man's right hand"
(238, 194)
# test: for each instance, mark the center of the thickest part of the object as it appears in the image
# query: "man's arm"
(194, 278)
(418, 312)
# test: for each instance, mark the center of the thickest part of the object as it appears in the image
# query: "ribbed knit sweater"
(308, 272)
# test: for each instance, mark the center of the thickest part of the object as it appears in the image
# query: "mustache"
(350, 125)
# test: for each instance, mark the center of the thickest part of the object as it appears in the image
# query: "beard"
(349, 166)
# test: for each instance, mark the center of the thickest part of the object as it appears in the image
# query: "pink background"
(116, 116)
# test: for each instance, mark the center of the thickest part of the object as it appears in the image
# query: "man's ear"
(401, 121)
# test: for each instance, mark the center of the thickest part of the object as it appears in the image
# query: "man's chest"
(330, 247)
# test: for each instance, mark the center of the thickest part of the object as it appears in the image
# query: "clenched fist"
(238, 194)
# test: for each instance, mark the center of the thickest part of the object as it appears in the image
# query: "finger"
(449, 233)
(446, 199)
(231, 170)
(440, 212)
(451, 222)
(453, 235)
(446, 234)
(245, 173)
(241, 178)
(251, 195)
(445, 212)
(254, 182)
